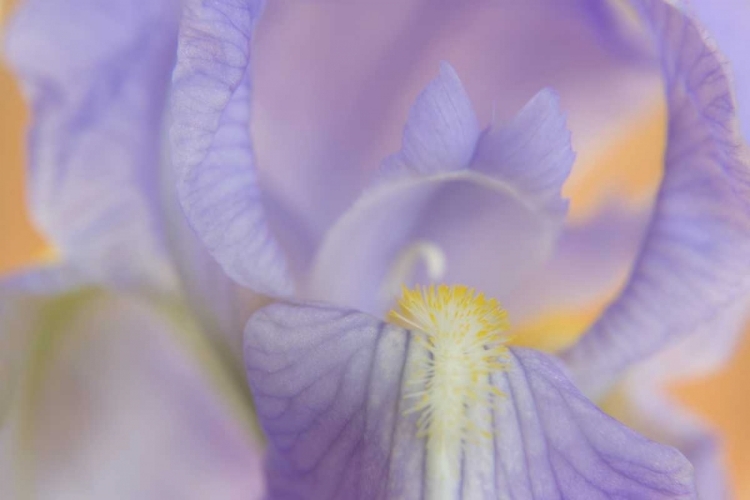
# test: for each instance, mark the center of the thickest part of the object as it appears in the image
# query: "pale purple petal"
(487, 234)
(48, 279)
(650, 410)
(329, 386)
(320, 142)
(531, 153)
(590, 262)
(218, 303)
(695, 256)
(116, 401)
(727, 21)
(490, 227)
(96, 73)
(211, 147)
(441, 131)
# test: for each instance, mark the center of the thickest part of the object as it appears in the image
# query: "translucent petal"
(695, 256)
(330, 387)
(97, 74)
(211, 148)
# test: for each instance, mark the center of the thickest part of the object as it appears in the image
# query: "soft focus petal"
(643, 402)
(652, 413)
(363, 64)
(487, 234)
(589, 264)
(695, 257)
(642, 399)
(16, 322)
(115, 402)
(441, 132)
(532, 153)
(507, 216)
(727, 21)
(329, 386)
(211, 146)
(96, 73)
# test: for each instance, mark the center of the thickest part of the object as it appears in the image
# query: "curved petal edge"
(332, 389)
(211, 147)
(694, 260)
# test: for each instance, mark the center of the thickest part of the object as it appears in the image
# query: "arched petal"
(96, 73)
(330, 384)
(364, 64)
(489, 235)
(441, 132)
(695, 256)
(532, 152)
(211, 147)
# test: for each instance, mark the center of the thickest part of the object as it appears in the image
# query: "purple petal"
(96, 73)
(648, 408)
(115, 400)
(504, 219)
(47, 280)
(590, 262)
(532, 153)
(727, 21)
(651, 412)
(488, 235)
(218, 303)
(695, 256)
(211, 147)
(320, 142)
(329, 386)
(441, 132)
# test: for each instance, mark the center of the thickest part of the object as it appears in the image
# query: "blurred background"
(718, 398)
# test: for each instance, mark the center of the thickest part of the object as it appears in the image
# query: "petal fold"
(489, 235)
(330, 387)
(96, 74)
(210, 141)
(695, 256)
(452, 195)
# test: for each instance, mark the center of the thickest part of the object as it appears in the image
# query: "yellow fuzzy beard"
(463, 335)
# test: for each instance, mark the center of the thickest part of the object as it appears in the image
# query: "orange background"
(718, 398)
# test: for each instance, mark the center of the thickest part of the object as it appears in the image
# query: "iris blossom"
(386, 364)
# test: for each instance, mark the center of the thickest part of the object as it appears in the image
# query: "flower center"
(462, 336)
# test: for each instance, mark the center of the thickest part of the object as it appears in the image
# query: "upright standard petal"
(362, 65)
(441, 132)
(97, 73)
(695, 257)
(211, 147)
(532, 152)
(334, 391)
(434, 205)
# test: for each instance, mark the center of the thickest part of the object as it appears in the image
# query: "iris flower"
(385, 365)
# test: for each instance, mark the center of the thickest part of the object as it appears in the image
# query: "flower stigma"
(462, 336)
